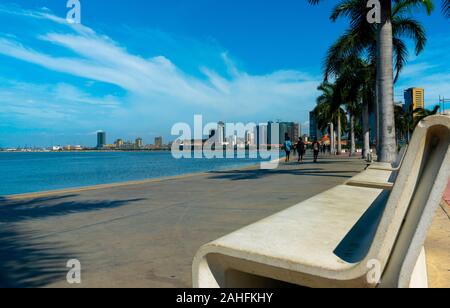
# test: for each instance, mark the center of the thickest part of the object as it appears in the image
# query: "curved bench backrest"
(401, 157)
(413, 202)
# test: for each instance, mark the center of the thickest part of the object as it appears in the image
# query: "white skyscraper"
(261, 132)
(220, 133)
(250, 138)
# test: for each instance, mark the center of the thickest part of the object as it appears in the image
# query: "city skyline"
(135, 76)
(306, 129)
(103, 135)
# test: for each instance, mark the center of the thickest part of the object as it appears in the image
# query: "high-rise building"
(119, 143)
(101, 139)
(414, 99)
(270, 128)
(139, 143)
(289, 129)
(250, 138)
(233, 140)
(220, 133)
(158, 142)
(282, 130)
(313, 126)
(297, 132)
(261, 135)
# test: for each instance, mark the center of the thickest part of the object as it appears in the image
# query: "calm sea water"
(35, 172)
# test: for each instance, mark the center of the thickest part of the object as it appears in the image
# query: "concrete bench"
(338, 238)
(379, 175)
(373, 178)
(391, 167)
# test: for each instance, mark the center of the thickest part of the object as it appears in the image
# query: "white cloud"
(156, 88)
(416, 69)
(49, 104)
(103, 60)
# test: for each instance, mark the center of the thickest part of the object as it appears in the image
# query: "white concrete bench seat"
(391, 167)
(373, 178)
(378, 174)
(331, 239)
(288, 242)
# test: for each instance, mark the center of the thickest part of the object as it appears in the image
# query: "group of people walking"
(300, 147)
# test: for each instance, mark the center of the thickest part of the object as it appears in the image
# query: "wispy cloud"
(154, 87)
(48, 104)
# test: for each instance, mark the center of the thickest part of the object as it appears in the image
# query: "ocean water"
(36, 172)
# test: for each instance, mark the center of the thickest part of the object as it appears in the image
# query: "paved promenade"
(146, 234)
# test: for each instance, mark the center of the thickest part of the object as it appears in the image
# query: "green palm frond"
(407, 6)
(346, 8)
(328, 105)
(421, 113)
(400, 56)
(410, 28)
(351, 44)
(361, 37)
(446, 8)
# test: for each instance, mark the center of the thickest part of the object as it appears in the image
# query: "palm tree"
(355, 79)
(402, 123)
(327, 107)
(406, 121)
(347, 92)
(385, 42)
(361, 38)
(353, 105)
(446, 8)
(421, 113)
(329, 111)
(385, 80)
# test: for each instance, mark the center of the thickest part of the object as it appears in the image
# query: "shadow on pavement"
(26, 265)
(238, 175)
(16, 211)
(25, 262)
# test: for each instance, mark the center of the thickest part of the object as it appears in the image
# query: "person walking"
(316, 149)
(288, 148)
(301, 148)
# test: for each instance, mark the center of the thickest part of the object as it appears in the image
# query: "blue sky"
(135, 68)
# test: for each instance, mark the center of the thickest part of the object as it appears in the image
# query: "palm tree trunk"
(332, 145)
(339, 132)
(366, 130)
(385, 79)
(352, 135)
(377, 118)
(335, 141)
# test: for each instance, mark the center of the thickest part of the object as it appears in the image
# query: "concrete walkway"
(146, 234)
(438, 249)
